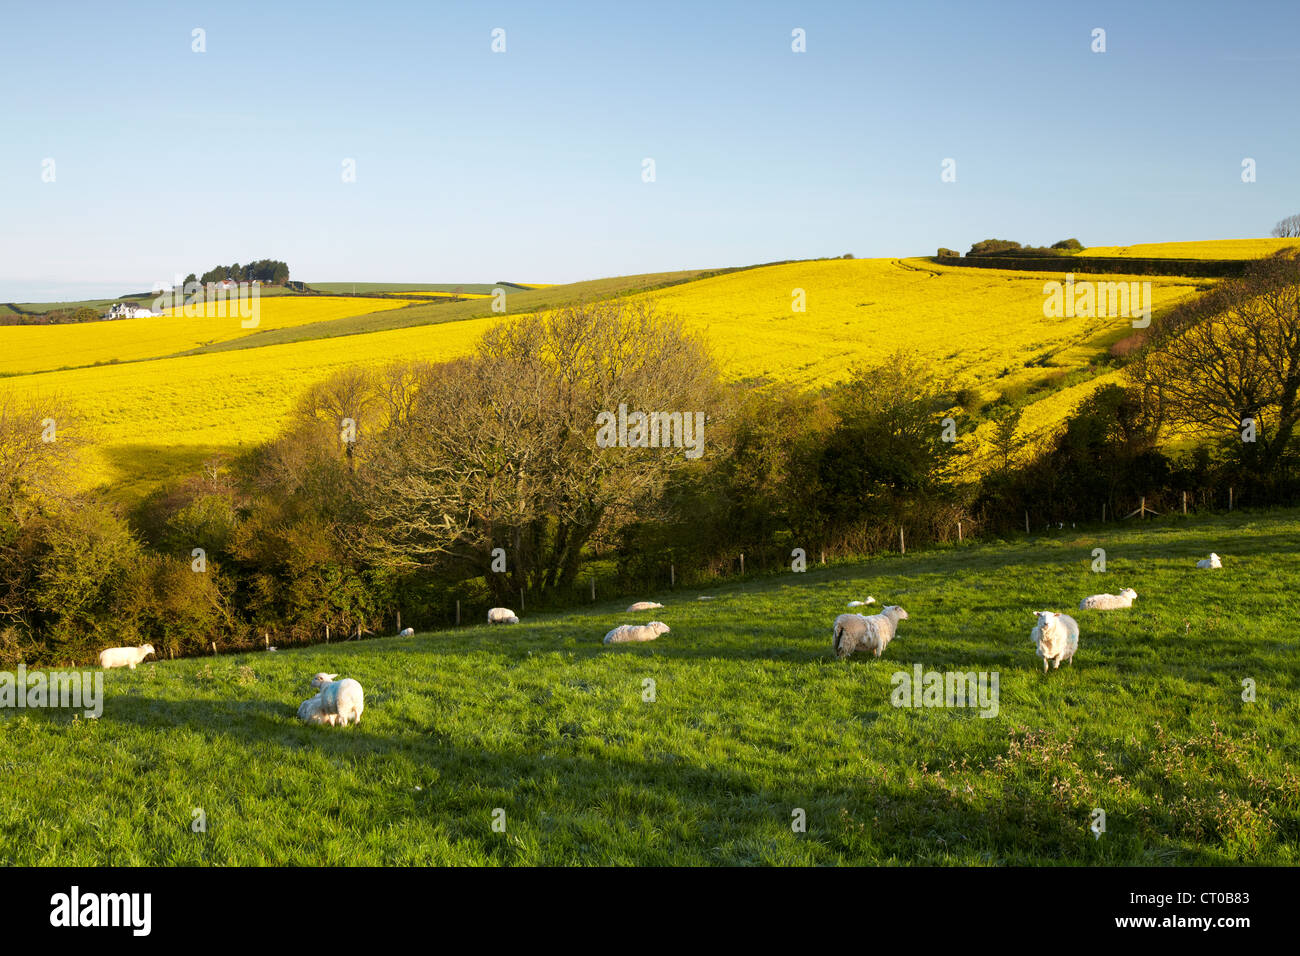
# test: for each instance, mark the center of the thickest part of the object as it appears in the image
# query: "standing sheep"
(125, 656)
(1211, 562)
(1109, 602)
(502, 615)
(1057, 637)
(341, 699)
(854, 632)
(634, 633)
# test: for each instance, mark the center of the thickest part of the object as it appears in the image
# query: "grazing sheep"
(312, 711)
(1211, 562)
(343, 699)
(406, 632)
(869, 600)
(502, 615)
(1057, 637)
(854, 632)
(633, 633)
(644, 606)
(1108, 602)
(125, 656)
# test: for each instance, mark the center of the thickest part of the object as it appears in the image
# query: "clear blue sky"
(526, 166)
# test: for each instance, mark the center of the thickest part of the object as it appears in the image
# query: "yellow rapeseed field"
(36, 348)
(152, 420)
(1211, 249)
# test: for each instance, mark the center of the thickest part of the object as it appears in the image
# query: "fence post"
(672, 575)
(593, 585)
(214, 647)
(823, 555)
(959, 532)
(399, 622)
(1103, 512)
(458, 612)
(1026, 521)
(742, 563)
(1184, 502)
(521, 599)
(327, 633)
(1229, 498)
(902, 545)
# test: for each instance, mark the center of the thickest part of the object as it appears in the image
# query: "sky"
(527, 165)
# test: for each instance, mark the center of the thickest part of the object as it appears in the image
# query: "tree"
(1234, 374)
(1288, 228)
(501, 450)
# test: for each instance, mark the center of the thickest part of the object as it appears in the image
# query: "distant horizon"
(43, 291)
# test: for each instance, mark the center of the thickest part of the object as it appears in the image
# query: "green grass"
(753, 719)
(479, 288)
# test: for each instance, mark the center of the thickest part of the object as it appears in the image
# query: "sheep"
(854, 632)
(502, 615)
(312, 711)
(644, 606)
(342, 699)
(1108, 602)
(869, 600)
(406, 632)
(1056, 636)
(633, 633)
(125, 656)
(1211, 562)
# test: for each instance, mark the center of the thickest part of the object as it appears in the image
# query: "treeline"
(271, 271)
(1007, 247)
(415, 486)
(53, 317)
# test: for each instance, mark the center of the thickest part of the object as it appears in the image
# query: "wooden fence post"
(1184, 502)
(214, 647)
(1026, 521)
(902, 545)
(458, 612)
(327, 633)
(521, 599)
(1230, 498)
(399, 622)
(672, 575)
(593, 586)
(959, 532)
(742, 563)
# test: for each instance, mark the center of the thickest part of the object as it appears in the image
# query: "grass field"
(1210, 249)
(752, 719)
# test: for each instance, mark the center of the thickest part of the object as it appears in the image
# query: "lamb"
(125, 656)
(406, 632)
(1211, 562)
(644, 606)
(1109, 602)
(341, 699)
(312, 711)
(869, 600)
(1057, 637)
(633, 633)
(502, 615)
(853, 632)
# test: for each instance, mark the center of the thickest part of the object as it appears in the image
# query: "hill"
(1209, 249)
(751, 720)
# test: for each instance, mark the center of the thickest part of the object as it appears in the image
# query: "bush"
(1073, 245)
(945, 253)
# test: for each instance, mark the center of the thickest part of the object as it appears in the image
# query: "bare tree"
(1234, 374)
(1288, 228)
(500, 450)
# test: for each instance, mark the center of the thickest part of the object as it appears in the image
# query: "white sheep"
(633, 633)
(644, 606)
(1211, 562)
(853, 632)
(1108, 602)
(406, 632)
(342, 699)
(502, 615)
(312, 711)
(869, 600)
(1056, 636)
(125, 656)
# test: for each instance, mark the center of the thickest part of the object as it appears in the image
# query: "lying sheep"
(502, 615)
(854, 632)
(312, 711)
(869, 600)
(340, 699)
(633, 633)
(406, 632)
(644, 606)
(1109, 602)
(1211, 562)
(125, 656)
(1057, 637)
